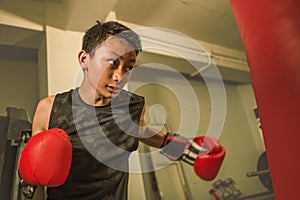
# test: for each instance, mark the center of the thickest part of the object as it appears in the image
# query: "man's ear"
(83, 59)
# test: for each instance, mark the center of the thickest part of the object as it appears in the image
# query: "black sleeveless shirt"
(102, 139)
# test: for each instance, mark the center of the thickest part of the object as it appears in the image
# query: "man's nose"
(117, 74)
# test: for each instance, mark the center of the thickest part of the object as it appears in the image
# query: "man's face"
(109, 69)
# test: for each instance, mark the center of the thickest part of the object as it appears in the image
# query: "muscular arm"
(150, 136)
(42, 115)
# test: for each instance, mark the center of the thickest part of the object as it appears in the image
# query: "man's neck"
(91, 97)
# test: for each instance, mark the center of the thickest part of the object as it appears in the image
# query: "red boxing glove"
(205, 153)
(207, 164)
(46, 159)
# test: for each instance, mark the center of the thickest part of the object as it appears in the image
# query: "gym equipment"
(213, 194)
(15, 131)
(229, 183)
(226, 189)
(220, 186)
(270, 31)
(263, 172)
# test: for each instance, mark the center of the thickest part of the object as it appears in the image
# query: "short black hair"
(101, 31)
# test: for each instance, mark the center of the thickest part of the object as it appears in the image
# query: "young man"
(103, 122)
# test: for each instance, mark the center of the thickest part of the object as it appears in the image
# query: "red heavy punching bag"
(270, 31)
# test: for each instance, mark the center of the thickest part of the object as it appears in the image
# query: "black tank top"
(102, 139)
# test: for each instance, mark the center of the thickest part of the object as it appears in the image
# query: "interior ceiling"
(209, 21)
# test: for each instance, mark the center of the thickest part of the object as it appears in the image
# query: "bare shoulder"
(42, 114)
(45, 103)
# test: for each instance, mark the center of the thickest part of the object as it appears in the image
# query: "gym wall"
(18, 78)
(240, 136)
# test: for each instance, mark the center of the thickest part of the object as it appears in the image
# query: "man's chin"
(115, 93)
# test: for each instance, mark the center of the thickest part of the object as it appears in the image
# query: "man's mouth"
(112, 88)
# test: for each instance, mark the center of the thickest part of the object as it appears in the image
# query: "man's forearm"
(152, 137)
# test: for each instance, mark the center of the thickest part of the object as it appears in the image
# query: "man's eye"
(128, 68)
(113, 62)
